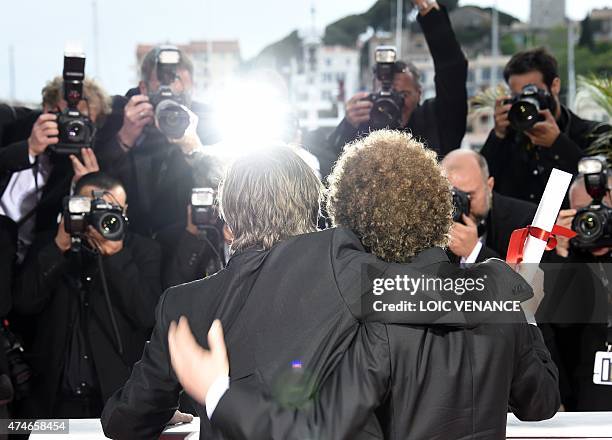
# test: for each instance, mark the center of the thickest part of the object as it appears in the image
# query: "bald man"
(485, 232)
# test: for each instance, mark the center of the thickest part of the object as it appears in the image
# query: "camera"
(526, 106)
(203, 213)
(19, 371)
(171, 116)
(107, 218)
(461, 204)
(76, 130)
(387, 105)
(593, 224)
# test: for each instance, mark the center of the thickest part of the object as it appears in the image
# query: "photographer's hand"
(62, 238)
(358, 109)
(464, 237)
(105, 247)
(191, 228)
(544, 133)
(424, 6)
(44, 133)
(89, 164)
(565, 218)
(138, 113)
(501, 117)
(190, 140)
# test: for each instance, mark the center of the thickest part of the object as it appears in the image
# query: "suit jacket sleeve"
(534, 394)
(342, 135)
(450, 66)
(564, 154)
(40, 274)
(14, 157)
(496, 150)
(185, 259)
(143, 407)
(352, 392)
(134, 278)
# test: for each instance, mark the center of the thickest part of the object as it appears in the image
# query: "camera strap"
(109, 304)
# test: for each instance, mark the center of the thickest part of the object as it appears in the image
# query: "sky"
(38, 31)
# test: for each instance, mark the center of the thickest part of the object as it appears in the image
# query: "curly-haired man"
(424, 382)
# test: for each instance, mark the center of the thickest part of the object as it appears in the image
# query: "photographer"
(484, 230)
(522, 154)
(198, 249)
(34, 179)
(150, 156)
(94, 305)
(578, 312)
(440, 121)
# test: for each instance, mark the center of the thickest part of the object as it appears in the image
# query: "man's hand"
(180, 417)
(565, 218)
(424, 6)
(358, 109)
(89, 164)
(44, 133)
(464, 237)
(62, 238)
(190, 140)
(104, 246)
(501, 117)
(191, 228)
(544, 133)
(197, 368)
(138, 113)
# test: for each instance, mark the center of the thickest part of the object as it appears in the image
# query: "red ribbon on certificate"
(519, 237)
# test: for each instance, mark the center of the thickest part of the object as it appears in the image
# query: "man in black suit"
(156, 170)
(578, 311)
(94, 308)
(485, 232)
(521, 161)
(440, 121)
(426, 382)
(288, 295)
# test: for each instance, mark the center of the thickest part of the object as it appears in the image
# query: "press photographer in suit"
(151, 149)
(198, 249)
(92, 287)
(529, 140)
(484, 231)
(411, 393)
(440, 122)
(578, 311)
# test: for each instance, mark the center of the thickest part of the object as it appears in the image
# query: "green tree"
(586, 33)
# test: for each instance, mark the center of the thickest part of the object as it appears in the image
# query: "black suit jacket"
(49, 287)
(300, 301)
(439, 122)
(506, 215)
(428, 383)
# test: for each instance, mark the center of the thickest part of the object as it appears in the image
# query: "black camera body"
(526, 106)
(76, 130)
(171, 116)
(593, 223)
(387, 105)
(461, 204)
(203, 212)
(107, 218)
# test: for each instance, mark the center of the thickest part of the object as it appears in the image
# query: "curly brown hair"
(390, 190)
